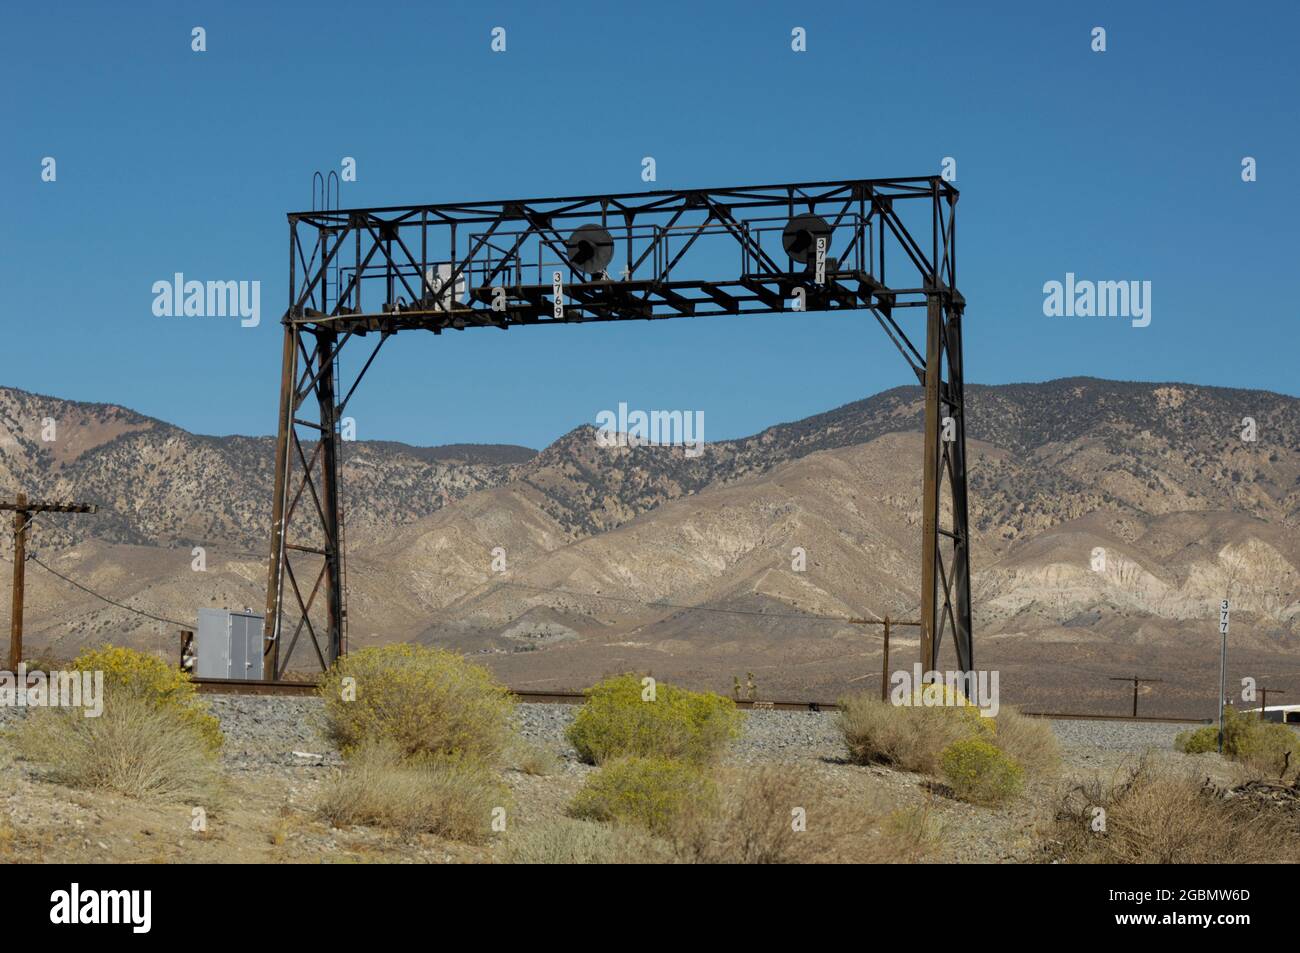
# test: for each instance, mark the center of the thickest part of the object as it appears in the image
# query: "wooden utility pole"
(884, 666)
(1263, 700)
(887, 622)
(1136, 680)
(23, 510)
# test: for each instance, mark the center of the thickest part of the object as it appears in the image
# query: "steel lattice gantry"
(880, 245)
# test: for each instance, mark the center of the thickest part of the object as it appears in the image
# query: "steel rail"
(239, 686)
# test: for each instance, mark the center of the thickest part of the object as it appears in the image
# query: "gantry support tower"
(877, 245)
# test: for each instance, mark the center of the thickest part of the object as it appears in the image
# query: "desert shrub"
(1029, 741)
(422, 700)
(615, 722)
(379, 785)
(652, 793)
(908, 835)
(135, 747)
(145, 676)
(566, 840)
(535, 760)
(1271, 748)
(1159, 814)
(980, 772)
(910, 737)
(753, 821)
(1259, 744)
(1205, 739)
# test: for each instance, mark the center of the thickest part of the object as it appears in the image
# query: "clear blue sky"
(1117, 165)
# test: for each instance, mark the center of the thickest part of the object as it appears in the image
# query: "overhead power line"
(104, 598)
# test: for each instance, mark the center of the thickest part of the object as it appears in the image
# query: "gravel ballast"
(270, 729)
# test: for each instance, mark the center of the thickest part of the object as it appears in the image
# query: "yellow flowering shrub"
(422, 700)
(653, 793)
(623, 716)
(980, 772)
(145, 676)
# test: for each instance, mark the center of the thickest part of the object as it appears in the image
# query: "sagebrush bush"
(1162, 814)
(452, 797)
(1029, 741)
(147, 677)
(980, 772)
(566, 840)
(617, 721)
(652, 793)
(779, 814)
(422, 700)
(135, 747)
(750, 822)
(1261, 745)
(910, 737)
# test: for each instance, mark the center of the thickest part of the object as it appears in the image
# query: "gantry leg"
(945, 551)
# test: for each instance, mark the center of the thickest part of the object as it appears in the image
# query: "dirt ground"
(266, 809)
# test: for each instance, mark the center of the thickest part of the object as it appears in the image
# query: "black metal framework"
(827, 246)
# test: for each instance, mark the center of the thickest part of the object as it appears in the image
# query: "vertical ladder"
(343, 547)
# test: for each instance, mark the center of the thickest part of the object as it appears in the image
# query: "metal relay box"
(229, 645)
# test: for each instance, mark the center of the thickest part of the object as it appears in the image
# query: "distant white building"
(1282, 714)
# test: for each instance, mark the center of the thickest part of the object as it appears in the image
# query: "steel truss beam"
(676, 253)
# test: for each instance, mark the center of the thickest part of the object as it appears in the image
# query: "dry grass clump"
(1163, 815)
(772, 815)
(535, 760)
(983, 759)
(907, 835)
(423, 700)
(136, 748)
(8, 772)
(911, 738)
(451, 797)
(754, 822)
(566, 840)
(1030, 741)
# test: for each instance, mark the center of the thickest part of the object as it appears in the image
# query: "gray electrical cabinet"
(229, 644)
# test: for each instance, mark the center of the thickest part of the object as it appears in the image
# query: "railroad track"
(242, 686)
(254, 687)
(233, 686)
(577, 698)
(1155, 719)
